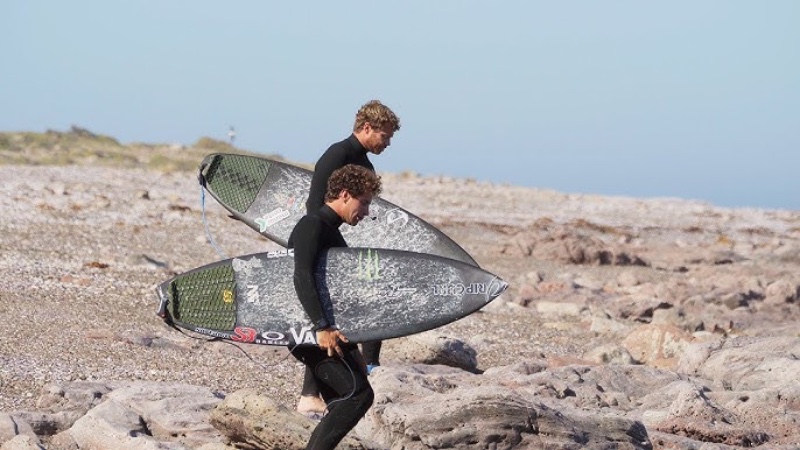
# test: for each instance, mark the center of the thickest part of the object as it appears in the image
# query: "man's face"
(377, 139)
(356, 208)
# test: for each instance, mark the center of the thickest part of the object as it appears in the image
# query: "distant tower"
(231, 134)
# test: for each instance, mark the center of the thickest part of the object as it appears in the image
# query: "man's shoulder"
(343, 145)
(310, 218)
(338, 151)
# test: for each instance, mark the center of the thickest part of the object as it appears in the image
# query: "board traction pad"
(194, 298)
(237, 180)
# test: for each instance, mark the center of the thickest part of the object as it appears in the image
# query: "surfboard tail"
(162, 303)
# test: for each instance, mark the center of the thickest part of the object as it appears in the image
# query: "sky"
(690, 99)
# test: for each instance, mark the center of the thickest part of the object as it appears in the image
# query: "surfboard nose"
(496, 287)
(490, 289)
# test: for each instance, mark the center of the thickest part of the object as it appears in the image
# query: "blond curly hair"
(377, 115)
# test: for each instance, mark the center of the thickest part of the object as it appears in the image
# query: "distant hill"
(79, 146)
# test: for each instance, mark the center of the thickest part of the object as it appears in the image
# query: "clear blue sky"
(693, 99)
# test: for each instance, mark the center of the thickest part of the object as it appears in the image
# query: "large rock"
(254, 421)
(60, 406)
(691, 412)
(424, 407)
(747, 364)
(23, 442)
(659, 345)
(11, 426)
(174, 412)
(635, 307)
(568, 244)
(112, 425)
(782, 291)
(434, 348)
(754, 381)
(135, 415)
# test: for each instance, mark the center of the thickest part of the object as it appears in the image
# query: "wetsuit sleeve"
(306, 238)
(331, 160)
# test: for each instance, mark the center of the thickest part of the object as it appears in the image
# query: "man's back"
(340, 154)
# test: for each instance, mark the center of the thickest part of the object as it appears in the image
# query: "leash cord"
(209, 237)
(267, 367)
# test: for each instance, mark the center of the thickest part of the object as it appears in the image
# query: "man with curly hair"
(373, 129)
(336, 365)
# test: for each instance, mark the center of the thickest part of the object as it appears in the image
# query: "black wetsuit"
(341, 381)
(340, 154)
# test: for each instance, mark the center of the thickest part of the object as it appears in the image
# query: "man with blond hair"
(373, 129)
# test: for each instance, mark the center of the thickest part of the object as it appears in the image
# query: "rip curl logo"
(369, 265)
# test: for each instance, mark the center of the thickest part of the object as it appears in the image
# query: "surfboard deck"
(371, 294)
(269, 196)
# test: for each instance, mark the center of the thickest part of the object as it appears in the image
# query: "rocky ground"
(673, 315)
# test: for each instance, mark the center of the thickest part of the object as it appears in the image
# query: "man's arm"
(306, 237)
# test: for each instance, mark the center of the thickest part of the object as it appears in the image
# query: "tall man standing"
(335, 364)
(373, 129)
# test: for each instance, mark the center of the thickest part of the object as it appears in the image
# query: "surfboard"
(269, 196)
(371, 294)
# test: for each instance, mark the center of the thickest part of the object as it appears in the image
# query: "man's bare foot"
(310, 404)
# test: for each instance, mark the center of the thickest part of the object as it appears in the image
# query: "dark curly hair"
(354, 179)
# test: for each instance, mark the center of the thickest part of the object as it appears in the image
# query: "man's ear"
(345, 195)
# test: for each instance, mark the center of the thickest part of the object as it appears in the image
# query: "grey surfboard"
(269, 196)
(371, 294)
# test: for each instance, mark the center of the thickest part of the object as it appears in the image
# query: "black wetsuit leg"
(372, 352)
(344, 387)
(310, 388)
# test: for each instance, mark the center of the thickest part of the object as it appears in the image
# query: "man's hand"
(328, 339)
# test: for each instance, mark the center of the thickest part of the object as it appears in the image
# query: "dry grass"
(79, 146)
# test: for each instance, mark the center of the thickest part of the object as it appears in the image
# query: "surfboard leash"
(209, 237)
(291, 350)
(265, 366)
(270, 366)
(216, 339)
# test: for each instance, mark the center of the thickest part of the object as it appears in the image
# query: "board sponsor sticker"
(369, 265)
(459, 289)
(396, 217)
(271, 218)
